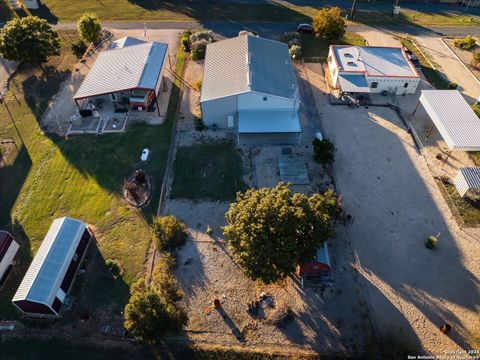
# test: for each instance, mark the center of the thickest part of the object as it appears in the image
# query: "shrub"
(323, 151)
(328, 23)
(140, 176)
(206, 35)
(185, 40)
(452, 85)
(295, 52)
(293, 42)
(169, 233)
(164, 281)
(476, 109)
(79, 48)
(476, 58)
(114, 267)
(466, 43)
(199, 125)
(209, 230)
(197, 85)
(431, 242)
(197, 50)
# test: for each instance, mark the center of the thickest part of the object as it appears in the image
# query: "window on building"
(405, 85)
(265, 98)
(374, 85)
(351, 63)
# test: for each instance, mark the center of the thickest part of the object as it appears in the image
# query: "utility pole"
(354, 9)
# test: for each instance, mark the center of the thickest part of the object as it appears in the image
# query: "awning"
(467, 179)
(268, 121)
(354, 83)
(454, 118)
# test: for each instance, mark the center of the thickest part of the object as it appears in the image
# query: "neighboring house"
(249, 86)
(8, 249)
(130, 74)
(372, 69)
(51, 274)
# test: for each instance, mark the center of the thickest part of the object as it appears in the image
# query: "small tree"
(169, 233)
(148, 315)
(89, 28)
(323, 151)
(29, 39)
(78, 48)
(271, 230)
(465, 43)
(329, 24)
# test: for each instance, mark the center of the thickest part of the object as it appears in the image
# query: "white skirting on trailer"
(466, 179)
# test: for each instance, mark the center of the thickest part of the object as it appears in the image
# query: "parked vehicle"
(305, 29)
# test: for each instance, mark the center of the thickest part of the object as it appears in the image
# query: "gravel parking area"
(396, 204)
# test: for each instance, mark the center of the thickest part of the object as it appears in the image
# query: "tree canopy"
(329, 24)
(89, 27)
(29, 39)
(271, 230)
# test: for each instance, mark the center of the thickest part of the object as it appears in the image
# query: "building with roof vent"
(50, 276)
(8, 249)
(372, 69)
(249, 85)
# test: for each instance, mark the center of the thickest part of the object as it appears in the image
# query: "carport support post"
(416, 107)
(448, 155)
(156, 103)
(76, 102)
(429, 132)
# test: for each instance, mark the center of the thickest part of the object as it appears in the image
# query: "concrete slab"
(293, 170)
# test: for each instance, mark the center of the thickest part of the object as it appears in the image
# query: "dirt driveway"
(396, 205)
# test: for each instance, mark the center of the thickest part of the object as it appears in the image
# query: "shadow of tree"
(44, 12)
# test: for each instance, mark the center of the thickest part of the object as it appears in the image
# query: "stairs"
(15, 4)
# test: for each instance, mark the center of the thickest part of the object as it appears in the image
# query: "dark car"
(305, 29)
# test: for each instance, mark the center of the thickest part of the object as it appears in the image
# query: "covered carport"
(268, 127)
(454, 119)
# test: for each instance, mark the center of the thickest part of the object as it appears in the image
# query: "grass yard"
(316, 50)
(211, 171)
(82, 177)
(468, 208)
(432, 75)
(182, 10)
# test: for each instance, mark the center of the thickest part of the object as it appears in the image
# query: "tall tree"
(329, 24)
(29, 39)
(89, 27)
(273, 230)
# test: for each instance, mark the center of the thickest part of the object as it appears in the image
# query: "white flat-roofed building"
(372, 69)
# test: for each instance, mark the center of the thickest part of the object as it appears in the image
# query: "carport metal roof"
(453, 117)
(354, 83)
(268, 121)
(466, 179)
(128, 68)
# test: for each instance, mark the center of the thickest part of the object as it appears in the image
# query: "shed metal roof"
(132, 67)
(268, 121)
(466, 179)
(374, 60)
(248, 63)
(354, 83)
(47, 270)
(125, 42)
(454, 118)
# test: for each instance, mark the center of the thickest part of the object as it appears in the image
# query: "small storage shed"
(249, 86)
(468, 178)
(51, 274)
(8, 249)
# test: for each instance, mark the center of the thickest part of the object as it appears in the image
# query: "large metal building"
(249, 86)
(51, 274)
(8, 249)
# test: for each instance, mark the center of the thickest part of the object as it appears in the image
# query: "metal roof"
(354, 83)
(47, 270)
(125, 42)
(268, 121)
(132, 67)
(248, 63)
(466, 179)
(454, 118)
(374, 60)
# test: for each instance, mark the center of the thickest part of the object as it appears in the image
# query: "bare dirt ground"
(464, 55)
(389, 189)
(62, 107)
(333, 320)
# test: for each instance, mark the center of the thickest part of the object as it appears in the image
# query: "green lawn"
(468, 208)
(210, 171)
(316, 50)
(432, 75)
(181, 10)
(81, 177)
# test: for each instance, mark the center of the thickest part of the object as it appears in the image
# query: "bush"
(197, 85)
(293, 42)
(199, 125)
(200, 35)
(114, 267)
(291, 36)
(431, 242)
(466, 43)
(185, 40)
(323, 151)
(295, 52)
(79, 48)
(169, 233)
(198, 49)
(452, 85)
(476, 109)
(163, 279)
(328, 23)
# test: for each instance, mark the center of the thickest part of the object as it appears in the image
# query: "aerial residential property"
(239, 180)
(249, 85)
(372, 69)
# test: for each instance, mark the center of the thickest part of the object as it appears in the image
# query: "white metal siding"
(216, 111)
(252, 100)
(8, 258)
(393, 84)
(467, 178)
(268, 139)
